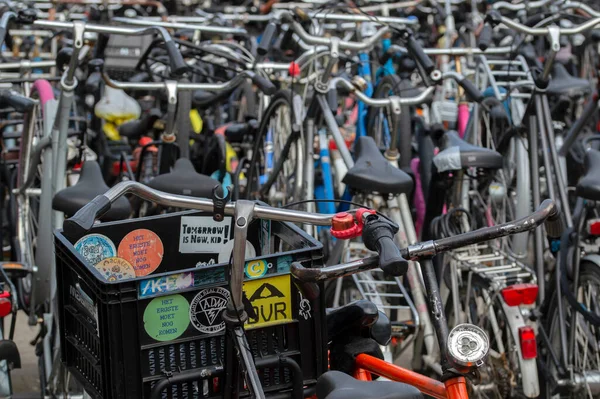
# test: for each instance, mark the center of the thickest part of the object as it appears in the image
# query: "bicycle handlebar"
(526, 5)
(546, 213)
(263, 84)
(377, 234)
(495, 18)
(380, 102)
(6, 18)
(178, 65)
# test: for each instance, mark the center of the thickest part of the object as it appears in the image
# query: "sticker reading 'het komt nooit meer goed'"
(166, 318)
(143, 249)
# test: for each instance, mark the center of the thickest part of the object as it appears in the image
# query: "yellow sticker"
(196, 121)
(271, 299)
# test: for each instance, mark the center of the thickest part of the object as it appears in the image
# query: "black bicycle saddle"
(337, 385)
(563, 83)
(90, 184)
(184, 179)
(589, 185)
(373, 173)
(457, 154)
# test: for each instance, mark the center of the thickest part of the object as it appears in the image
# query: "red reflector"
(594, 227)
(520, 294)
(5, 304)
(528, 344)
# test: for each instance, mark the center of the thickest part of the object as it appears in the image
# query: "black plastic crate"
(110, 338)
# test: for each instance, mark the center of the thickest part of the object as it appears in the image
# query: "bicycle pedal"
(16, 270)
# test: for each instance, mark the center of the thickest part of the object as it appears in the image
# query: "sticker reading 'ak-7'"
(271, 301)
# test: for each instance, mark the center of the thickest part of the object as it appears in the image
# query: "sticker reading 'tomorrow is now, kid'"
(143, 249)
(166, 318)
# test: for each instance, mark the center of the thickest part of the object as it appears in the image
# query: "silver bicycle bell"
(468, 347)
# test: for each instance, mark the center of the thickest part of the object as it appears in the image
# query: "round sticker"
(143, 249)
(227, 249)
(115, 269)
(166, 318)
(206, 310)
(95, 247)
(256, 268)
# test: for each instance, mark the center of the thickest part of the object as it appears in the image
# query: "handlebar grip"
(266, 39)
(485, 37)
(264, 84)
(417, 52)
(554, 225)
(178, 65)
(83, 220)
(378, 235)
(14, 100)
(472, 92)
(287, 39)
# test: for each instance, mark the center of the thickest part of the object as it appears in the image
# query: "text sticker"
(206, 310)
(115, 269)
(95, 247)
(201, 234)
(270, 299)
(166, 318)
(143, 249)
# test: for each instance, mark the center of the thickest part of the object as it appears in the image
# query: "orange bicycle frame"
(453, 388)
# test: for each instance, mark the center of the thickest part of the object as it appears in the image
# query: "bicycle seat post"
(235, 314)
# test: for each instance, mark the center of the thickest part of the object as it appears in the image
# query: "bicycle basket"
(120, 338)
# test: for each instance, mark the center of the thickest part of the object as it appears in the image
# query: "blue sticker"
(284, 263)
(95, 247)
(180, 282)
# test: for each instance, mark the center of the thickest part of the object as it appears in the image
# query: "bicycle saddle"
(562, 83)
(360, 318)
(337, 385)
(373, 173)
(184, 179)
(589, 185)
(138, 127)
(457, 154)
(90, 184)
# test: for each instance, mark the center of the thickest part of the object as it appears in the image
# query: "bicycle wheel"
(274, 171)
(378, 120)
(586, 354)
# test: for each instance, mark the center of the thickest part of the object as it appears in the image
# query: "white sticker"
(206, 310)
(201, 234)
(305, 308)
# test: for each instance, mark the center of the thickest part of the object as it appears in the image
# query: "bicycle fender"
(529, 371)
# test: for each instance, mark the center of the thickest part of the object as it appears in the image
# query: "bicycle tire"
(254, 189)
(392, 84)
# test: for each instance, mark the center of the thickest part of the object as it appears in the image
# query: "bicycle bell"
(468, 347)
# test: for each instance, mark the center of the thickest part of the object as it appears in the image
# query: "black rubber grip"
(485, 37)
(11, 99)
(83, 221)
(417, 52)
(472, 92)
(178, 65)
(264, 84)
(554, 225)
(378, 235)
(266, 39)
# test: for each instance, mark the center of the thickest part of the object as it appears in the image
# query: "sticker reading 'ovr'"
(166, 318)
(206, 310)
(270, 299)
(201, 234)
(95, 247)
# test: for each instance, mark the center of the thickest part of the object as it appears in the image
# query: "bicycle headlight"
(468, 346)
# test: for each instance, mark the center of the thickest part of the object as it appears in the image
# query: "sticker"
(95, 247)
(143, 249)
(201, 234)
(270, 299)
(164, 284)
(227, 249)
(166, 318)
(256, 268)
(305, 308)
(284, 264)
(206, 310)
(115, 269)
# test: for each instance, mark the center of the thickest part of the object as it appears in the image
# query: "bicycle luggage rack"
(121, 339)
